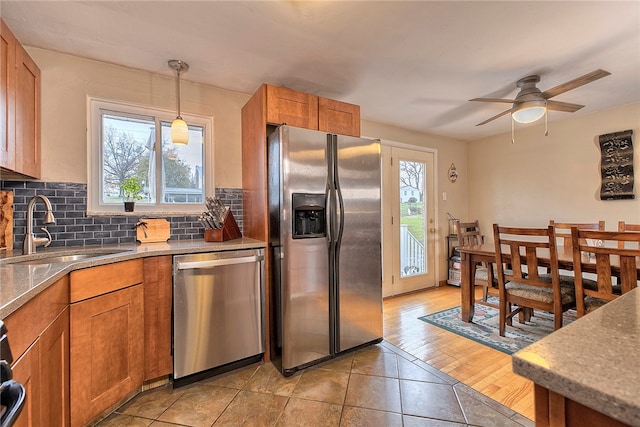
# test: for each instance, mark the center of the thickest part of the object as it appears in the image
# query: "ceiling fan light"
(528, 111)
(179, 132)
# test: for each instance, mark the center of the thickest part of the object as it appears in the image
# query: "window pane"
(412, 218)
(182, 167)
(127, 150)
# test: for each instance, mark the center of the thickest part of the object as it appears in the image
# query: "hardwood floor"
(478, 366)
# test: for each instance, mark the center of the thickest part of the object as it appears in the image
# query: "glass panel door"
(413, 213)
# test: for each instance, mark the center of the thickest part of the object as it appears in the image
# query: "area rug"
(484, 328)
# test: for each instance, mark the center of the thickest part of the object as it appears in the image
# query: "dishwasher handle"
(189, 265)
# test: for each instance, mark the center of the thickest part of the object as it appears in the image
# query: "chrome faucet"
(30, 240)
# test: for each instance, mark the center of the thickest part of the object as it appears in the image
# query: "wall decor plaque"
(616, 165)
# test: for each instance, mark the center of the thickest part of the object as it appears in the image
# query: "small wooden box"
(229, 231)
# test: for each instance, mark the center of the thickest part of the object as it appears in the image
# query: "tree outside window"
(129, 148)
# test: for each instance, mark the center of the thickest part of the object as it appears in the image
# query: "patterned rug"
(484, 328)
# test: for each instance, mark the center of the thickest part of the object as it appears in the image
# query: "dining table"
(470, 256)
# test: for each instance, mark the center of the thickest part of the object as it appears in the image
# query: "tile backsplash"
(74, 228)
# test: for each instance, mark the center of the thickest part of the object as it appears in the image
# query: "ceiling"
(413, 64)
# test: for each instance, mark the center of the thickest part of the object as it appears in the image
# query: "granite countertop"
(21, 282)
(594, 361)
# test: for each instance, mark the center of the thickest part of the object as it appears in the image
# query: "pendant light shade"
(179, 132)
(179, 128)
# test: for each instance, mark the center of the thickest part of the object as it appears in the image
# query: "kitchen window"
(129, 140)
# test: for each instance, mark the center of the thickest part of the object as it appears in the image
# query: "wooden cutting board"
(151, 230)
(6, 219)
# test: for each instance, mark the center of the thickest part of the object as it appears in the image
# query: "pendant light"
(179, 128)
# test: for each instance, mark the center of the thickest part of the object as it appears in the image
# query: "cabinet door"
(338, 117)
(27, 122)
(54, 372)
(291, 107)
(157, 316)
(107, 335)
(7, 95)
(26, 371)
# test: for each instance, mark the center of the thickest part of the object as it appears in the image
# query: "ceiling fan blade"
(572, 84)
(497, 116)
(492, 100)
(563, 106)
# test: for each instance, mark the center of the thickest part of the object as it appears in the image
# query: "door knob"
(432, 230)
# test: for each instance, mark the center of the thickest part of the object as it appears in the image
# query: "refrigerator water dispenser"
(309, 215)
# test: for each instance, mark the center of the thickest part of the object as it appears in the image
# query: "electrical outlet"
(444, 195)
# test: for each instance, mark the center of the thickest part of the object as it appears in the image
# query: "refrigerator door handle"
(339, 206)
(331, 189)
(328, 218)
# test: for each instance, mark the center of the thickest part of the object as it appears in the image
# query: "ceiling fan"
(531, 103)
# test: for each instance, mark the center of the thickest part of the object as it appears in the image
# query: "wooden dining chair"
(563, 229)
(563, 236)
(469, 235)
(618, 256)
(527, 249)
(625, 226)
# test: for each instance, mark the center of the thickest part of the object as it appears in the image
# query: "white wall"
(555, 177)
(67, 81)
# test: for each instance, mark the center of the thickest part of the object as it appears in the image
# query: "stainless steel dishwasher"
(218, 312)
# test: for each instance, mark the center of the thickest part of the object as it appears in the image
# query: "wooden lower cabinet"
(26, 371)
(555, 410)
(44, 371)
(54, 372)
(107, 338)
(158, 296)
(39, 336)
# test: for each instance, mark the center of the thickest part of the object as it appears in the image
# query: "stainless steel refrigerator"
(325, 233)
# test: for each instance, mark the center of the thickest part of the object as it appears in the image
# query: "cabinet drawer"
(94, 281)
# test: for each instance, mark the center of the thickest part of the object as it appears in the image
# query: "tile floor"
(380, 385)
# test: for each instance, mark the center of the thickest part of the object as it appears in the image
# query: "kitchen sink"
(64, 258)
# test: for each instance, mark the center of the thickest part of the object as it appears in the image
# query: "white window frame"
(95, 107)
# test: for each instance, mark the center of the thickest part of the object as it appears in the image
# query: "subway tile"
(69, 205)
(35, 184)
(55, 185)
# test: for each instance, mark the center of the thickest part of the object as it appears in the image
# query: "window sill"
(142, 213)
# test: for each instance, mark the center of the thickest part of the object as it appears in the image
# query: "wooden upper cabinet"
(27, 115)
(338, 117)
(20, 115)
(291, 107)
(7, 95)
(308, 111)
